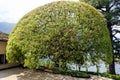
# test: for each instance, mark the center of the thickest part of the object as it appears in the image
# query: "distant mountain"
(6, 27)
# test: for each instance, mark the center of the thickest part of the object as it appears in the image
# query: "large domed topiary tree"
(59, 33)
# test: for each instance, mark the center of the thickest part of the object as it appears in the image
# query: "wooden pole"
(4, 58)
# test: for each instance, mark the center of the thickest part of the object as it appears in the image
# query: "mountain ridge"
(6, 27)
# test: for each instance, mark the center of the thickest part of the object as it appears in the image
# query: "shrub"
(71, 73)
(63, 32)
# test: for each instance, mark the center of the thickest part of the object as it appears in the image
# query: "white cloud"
(13, 10)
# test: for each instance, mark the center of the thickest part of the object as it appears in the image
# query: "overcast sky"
(12, 10)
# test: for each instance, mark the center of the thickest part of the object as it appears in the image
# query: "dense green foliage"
(58, 34)
(111, 11)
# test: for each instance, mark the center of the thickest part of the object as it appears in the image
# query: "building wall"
(3, 45)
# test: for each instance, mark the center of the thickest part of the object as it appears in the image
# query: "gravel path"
(25, 74)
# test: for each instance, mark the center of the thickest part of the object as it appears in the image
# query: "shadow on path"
(10, 72)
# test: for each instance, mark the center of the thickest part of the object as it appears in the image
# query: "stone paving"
(25, 74)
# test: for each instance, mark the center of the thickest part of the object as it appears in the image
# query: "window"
(3, 59)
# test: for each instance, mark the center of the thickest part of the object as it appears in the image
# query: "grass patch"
(116, 77)
(72, 73)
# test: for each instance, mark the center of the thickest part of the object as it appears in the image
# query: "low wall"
(8, 65)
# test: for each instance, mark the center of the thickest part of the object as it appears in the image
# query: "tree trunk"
(98, 68)
(86, 69)
(79, 67)
(57, 63)
(112, 65)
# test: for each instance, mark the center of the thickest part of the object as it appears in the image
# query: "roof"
(3, 39)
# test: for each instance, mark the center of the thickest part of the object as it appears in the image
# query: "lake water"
(102, 68)
(91, 68)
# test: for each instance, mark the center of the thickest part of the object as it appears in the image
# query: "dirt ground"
(26, 74)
